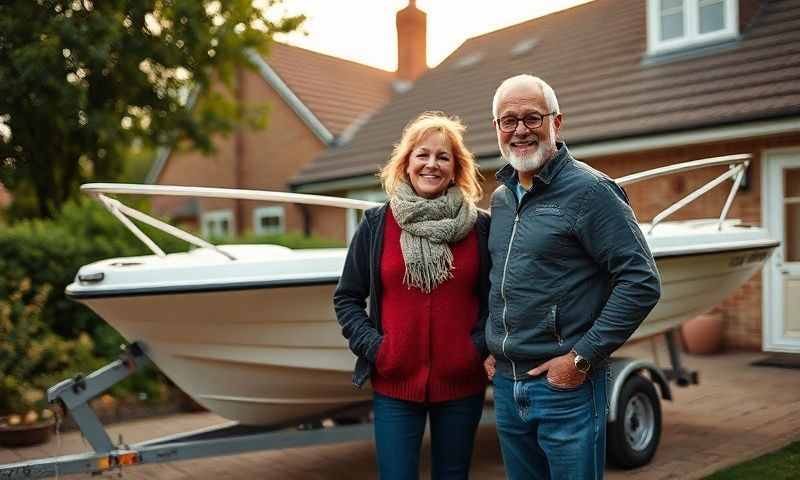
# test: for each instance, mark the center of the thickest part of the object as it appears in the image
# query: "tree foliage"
(80, 80)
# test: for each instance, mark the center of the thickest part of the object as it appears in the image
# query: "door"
(782, 277)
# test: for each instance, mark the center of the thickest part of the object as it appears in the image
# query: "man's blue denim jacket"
(570, 267)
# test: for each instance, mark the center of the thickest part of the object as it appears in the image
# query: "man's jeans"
(550, 433)
(399, 426)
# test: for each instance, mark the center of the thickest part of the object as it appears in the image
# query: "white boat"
(250, 333)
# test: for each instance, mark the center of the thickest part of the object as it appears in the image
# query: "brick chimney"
(412, 58)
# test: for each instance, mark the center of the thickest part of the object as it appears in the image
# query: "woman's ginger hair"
(467, 176)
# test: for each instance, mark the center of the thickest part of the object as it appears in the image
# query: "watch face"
(582, 364)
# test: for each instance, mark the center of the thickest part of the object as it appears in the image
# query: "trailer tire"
(633, 438)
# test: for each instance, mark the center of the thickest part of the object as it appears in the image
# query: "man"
(572, 278)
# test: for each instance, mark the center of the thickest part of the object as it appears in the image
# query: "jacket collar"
(508, 176)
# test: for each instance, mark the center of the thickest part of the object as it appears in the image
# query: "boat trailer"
(231, 438)
(226, 439)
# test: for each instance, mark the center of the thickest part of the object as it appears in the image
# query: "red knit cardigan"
(427, 354)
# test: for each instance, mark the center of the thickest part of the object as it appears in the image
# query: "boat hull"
(271, 353)
(693, 284)
(258, 356)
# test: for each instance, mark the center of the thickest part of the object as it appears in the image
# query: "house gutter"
(597, 149)
(675, 139)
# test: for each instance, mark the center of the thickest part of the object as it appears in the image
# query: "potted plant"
(32, 358)
(703, 334)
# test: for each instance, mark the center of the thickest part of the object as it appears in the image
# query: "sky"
(364, 30)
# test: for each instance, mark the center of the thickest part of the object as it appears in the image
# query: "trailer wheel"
(633, 438)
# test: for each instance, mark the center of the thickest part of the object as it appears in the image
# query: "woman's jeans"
(399, 426)
(550, 433)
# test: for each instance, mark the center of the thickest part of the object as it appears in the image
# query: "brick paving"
(737, 412)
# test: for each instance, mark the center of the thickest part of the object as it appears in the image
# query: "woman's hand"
(489, 366)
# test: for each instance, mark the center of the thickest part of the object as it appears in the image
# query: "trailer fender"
(620, 369)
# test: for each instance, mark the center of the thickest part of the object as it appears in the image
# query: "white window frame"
(273, 211)
(352, 214)
(216, 216)
(691, 27)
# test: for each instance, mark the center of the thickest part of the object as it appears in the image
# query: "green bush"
(291, 240)
(32, 358)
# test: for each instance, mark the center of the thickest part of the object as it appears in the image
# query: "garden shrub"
(32, 357)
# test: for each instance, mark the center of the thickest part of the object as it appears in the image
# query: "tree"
(80, 80)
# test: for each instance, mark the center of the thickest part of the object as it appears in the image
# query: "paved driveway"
(736, 413)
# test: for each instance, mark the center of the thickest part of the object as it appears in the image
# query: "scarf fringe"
(427, 275)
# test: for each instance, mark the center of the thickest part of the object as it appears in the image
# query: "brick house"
(641, 84)
(315, 101)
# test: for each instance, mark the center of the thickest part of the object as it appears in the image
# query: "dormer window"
(523, 47)
(681, 24)
(468, 60)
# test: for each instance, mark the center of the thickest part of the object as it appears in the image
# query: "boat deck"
(737, 412)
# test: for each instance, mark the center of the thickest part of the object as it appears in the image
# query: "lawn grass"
(781, 465)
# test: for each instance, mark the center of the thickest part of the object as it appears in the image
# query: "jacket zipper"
(556, 329)
(503, 294)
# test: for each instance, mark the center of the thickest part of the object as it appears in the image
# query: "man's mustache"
(527, 138)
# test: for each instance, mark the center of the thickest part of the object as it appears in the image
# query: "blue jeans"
(550, 433)
(399, 426)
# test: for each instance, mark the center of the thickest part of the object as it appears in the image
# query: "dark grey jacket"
(571, 267)
(361, 279)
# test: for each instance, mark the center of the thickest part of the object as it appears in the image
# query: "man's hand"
(561, 371)
(488, 365)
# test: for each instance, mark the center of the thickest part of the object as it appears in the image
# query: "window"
(354, 216)
(678, 24)
(523, 47)
(269, 220)
(671, 20)
(217, 224)
(468, 60)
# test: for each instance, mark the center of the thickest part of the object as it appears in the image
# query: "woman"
(422, 261)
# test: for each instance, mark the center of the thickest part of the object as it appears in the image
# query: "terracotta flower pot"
(703, 333)
(26, 434)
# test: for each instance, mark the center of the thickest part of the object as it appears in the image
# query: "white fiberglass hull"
(248, 344)
(256, 339)
(259, 356)
(691, 285)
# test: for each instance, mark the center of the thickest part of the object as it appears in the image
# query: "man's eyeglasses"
(508, 123)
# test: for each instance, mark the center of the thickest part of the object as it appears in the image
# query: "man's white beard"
(533, 161)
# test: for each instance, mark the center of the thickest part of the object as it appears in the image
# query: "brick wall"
(196, 169)
(328, 222)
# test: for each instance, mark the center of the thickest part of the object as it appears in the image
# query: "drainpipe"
(239, 152)
(306, 213)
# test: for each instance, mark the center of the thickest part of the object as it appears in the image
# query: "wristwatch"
(581, 363)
